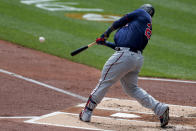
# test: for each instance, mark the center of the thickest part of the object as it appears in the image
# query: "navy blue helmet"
(148, 8)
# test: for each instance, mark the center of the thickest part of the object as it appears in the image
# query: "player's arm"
(101, 41)
(119, 23)
(116, 25)
(110, 44)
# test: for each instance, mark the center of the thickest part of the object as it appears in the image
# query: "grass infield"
(171, 52)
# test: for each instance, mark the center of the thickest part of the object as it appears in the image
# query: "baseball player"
(133, 32)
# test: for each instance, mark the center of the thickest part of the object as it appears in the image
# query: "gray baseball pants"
(125, 66)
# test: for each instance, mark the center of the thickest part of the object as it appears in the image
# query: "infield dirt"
(21, 98)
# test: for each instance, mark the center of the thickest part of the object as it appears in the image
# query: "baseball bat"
(75, 52)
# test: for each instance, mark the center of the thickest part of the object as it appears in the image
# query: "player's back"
(133, 35)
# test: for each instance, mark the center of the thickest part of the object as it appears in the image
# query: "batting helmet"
(148, 8)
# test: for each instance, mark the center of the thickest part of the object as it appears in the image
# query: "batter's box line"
(42, 117)
(156, 124)
(33, 121)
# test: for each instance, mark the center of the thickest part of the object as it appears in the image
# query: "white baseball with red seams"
(41, 39)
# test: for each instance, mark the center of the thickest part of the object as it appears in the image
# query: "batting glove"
(100, 41)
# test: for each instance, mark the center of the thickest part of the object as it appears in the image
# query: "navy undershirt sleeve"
(110, 44)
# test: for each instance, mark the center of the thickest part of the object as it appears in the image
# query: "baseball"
(41, 39)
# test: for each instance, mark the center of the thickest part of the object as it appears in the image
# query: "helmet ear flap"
(151, 12)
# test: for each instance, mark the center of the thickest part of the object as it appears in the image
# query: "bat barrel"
(78, 50)
(82, 49)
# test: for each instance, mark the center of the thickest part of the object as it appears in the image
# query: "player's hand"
(100, 41)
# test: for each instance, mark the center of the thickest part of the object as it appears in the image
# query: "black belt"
(135, 50)
(131, 49)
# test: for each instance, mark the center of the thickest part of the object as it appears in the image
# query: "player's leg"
(130, 86)
(129, 83)
(112, 71)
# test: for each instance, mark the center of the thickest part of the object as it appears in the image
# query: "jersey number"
(148, 31)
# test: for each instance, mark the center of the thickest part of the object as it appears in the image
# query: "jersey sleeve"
(125, 19)
(121, 22)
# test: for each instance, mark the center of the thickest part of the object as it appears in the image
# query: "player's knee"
(131, 89)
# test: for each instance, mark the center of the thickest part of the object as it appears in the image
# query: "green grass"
(171, 52)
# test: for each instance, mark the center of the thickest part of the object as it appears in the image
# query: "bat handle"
(91, 44)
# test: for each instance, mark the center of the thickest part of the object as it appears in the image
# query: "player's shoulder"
(139, 11)
(143, 13)
(139, 14)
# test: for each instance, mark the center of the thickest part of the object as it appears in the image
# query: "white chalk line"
(108, 98)
(44, 85)
(167, 80)
(73, 94)
(18, 117)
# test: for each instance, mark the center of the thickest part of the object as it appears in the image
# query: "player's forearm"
(110, 44)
